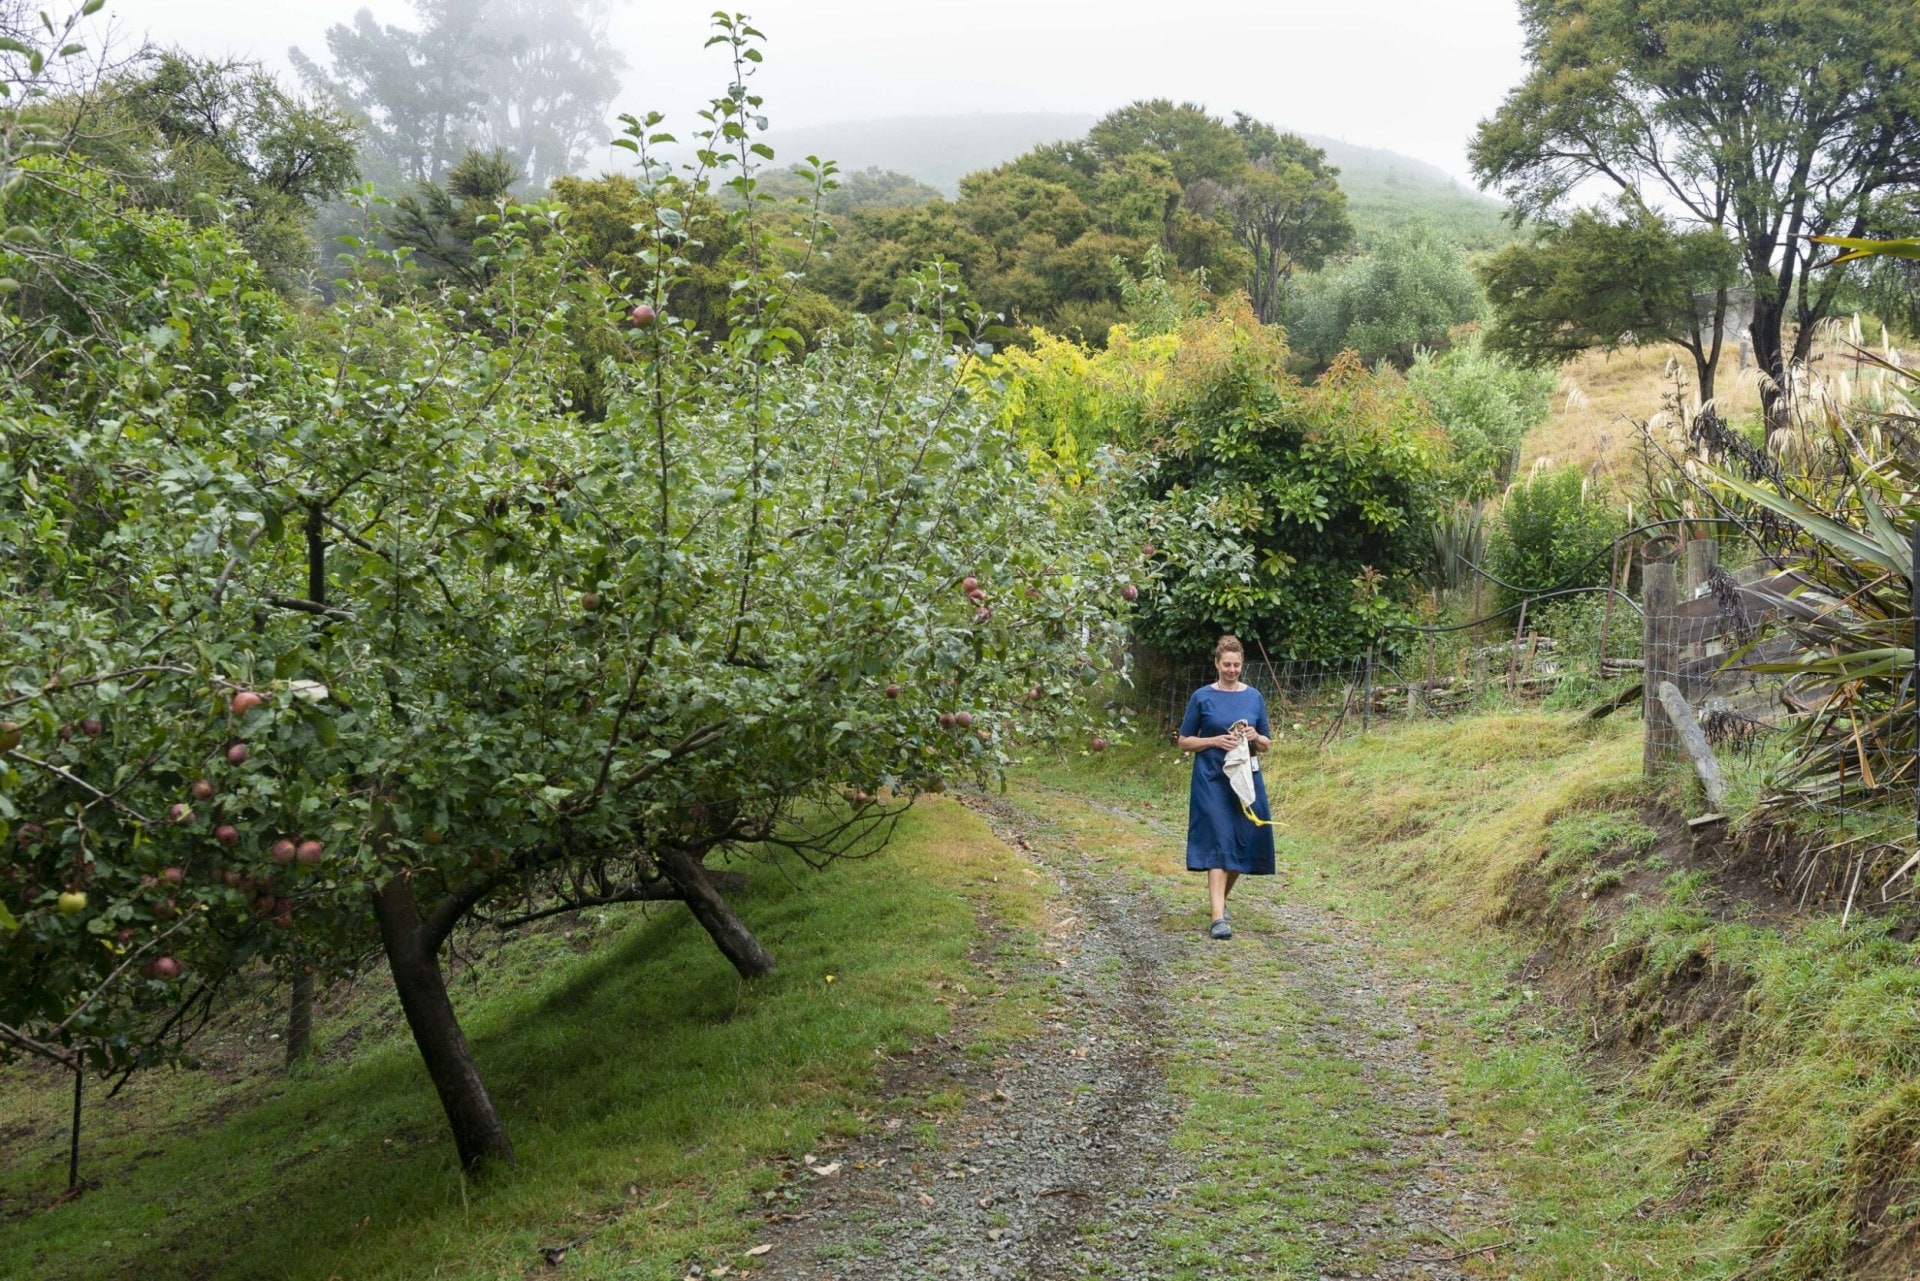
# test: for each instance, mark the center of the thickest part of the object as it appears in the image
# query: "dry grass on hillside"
(1602, 396)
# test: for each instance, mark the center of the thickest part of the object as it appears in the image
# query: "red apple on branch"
(642, 317)
(227, 834)
(245, 701)
(163, 968)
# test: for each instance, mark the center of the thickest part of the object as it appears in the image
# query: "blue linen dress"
(1218, 834)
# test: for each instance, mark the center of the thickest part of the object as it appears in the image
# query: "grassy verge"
(648, 1090)
(1665, 1080)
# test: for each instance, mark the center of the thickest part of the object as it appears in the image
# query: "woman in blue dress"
(1221, 840)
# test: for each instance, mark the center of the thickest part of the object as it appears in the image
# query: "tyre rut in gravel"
(1059, 1163)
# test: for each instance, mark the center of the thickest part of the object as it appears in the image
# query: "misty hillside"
(1383, 186)
(938, 150)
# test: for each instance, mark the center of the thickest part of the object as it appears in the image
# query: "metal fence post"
(1427, 698)
(1703, 556)
(1659, 654)
(1366, 700)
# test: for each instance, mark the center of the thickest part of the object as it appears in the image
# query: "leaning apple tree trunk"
(412, 943)
(709, 907)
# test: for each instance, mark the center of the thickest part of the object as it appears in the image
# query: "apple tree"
(505, 661)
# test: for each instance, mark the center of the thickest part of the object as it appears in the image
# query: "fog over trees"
(535, 79)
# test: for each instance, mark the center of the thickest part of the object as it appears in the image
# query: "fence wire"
(1578, 656)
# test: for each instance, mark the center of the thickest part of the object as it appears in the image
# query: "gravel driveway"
(1081, 1152)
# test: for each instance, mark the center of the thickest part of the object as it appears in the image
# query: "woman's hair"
(1228, 644)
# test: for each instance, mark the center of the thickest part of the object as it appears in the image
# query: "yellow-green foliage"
(1063, 401)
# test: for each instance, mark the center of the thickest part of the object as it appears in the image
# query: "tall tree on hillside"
(552, 88)
(1772, 119)
(1134, 195)
(179, 129)
(534, 78)
(420, 93)
(1287, 211)
(1200, 146)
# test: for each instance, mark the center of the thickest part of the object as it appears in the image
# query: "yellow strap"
(1251, 817)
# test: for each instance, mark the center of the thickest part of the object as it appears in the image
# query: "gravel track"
(1061, 1163)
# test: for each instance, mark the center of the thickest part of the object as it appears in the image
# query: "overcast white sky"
(1413, 76)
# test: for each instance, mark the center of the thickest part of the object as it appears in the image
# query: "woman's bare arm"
(1201, 742)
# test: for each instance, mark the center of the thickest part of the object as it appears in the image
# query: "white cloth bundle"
(1241, 765)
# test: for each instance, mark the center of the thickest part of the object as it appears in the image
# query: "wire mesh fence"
(1429, 677)
(1578, 652)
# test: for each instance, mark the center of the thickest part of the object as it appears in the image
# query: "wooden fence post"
(1660, 652)
(1686, 727)
(1606, 616)
(1513, 654)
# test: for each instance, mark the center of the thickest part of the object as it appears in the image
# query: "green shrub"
(1488, 404)
(1554, 531)
(1401, 295)
(1296, 514)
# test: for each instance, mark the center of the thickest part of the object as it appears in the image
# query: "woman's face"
(1229, 665)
